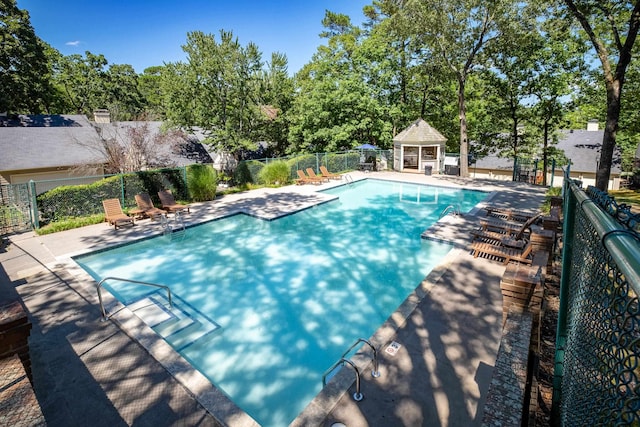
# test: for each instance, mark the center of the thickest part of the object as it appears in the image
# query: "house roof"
(51, 141)
(43, 141)
(182, 152)
(420, 132)
(582, 147)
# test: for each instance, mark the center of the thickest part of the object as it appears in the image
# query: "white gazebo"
(418, 147)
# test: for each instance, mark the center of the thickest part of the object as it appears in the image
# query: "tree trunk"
(614, 89)
(545, 150)
(464, 143)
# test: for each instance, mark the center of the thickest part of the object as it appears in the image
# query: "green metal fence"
(15, 208)
(597, 364)
(335, 162)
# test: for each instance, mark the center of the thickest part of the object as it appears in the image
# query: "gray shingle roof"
(420, 131)
(582, 147)
(187, 151)
(43, 141)
(46, 141)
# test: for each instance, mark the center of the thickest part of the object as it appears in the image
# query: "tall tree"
(276, 99)
(612, 28)
(149, 86)
(217, 90)
(457, 31)
(83, 81)
(335, 107)
(124, 100)
(24, 68)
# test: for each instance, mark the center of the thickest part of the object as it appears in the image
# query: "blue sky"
(144, 33)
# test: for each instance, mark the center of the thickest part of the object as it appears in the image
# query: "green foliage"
(243, 175)
(552, 192)
(70, 224)
(202, 182)
(89, 83)
(217, 89)
(24, 68)
(10, 216)
(75, 201)
(275, 173)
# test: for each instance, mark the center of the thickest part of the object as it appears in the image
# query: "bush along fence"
(597, 363)
(249, 171)
(43, 202)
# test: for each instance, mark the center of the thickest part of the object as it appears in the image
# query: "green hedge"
(73, 201)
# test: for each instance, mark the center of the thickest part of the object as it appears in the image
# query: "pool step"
(181, 325)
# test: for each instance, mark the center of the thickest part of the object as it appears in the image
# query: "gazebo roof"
(420, 132)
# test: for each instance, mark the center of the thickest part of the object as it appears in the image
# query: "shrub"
(202, 181)
(275, 173)
(247, 172)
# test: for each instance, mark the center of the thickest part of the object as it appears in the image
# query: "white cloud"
(73, 43)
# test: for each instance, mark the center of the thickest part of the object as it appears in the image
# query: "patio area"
(120, 373)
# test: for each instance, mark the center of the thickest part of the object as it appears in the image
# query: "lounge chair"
(113, 213)
(312, 175)
(169, 203)
(497, 238)
(508, 214)
(146, 207)
(524, 255)
(518, 230)
(304, 179)
(325, 173)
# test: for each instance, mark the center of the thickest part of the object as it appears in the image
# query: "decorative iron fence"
(597, 364)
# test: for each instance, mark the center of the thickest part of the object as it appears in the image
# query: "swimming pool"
(281, 300)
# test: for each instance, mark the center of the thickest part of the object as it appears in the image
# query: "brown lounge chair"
(146, 207)
(312, 175)
(524, 255)
(508, 214)
(304, 179)
(113, 213)
(496, 238)
(169, 203)
(504, 233)
(327, 174)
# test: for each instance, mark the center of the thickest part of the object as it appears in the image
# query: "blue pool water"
(288, 297)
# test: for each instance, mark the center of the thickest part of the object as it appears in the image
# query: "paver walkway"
(88, 372)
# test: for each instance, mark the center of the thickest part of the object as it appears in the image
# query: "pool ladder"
(454, 209)
(177, 228)
(375, 373)
(347, 178)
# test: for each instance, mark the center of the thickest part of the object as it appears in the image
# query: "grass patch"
(69, 224)
(628, 197)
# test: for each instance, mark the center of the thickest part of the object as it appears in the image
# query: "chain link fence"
(15, 208)
(597, 366)
(248, 171)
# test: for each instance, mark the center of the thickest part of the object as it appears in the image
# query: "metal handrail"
(357, 396)
(456, 210)
(99, 287)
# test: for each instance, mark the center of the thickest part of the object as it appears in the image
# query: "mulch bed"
(547, 343)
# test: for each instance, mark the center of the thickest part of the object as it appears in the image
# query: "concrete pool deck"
(91, 372)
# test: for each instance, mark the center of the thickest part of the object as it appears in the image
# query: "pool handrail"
(99, 287)
(357, 396)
